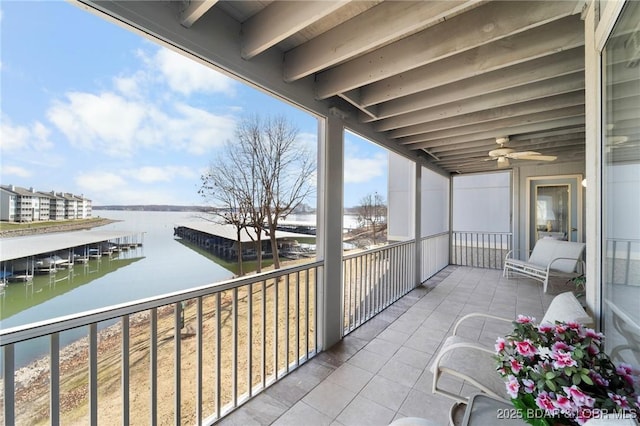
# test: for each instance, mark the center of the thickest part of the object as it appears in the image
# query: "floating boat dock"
(221, 239)
(27, 249)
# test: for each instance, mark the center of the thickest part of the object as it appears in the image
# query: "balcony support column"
(329, 235)
(417, 218)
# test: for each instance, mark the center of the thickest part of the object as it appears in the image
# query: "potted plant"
(559, 374)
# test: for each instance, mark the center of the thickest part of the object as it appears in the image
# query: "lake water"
(162, 265)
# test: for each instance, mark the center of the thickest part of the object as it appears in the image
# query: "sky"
(90, 108)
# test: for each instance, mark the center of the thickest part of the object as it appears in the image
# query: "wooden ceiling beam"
(539, 90)
(490, 115)
(487, 23)
(280, 20)
(373, 28)
(520, 75)
(564, 34)
(194, 11)
(570, 122)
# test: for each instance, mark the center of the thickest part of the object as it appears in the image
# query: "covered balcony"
(507, 122)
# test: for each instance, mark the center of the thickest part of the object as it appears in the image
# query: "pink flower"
(584, 415)
(563, 359)
(573, 325)
(513, 386)
(560, 346)
(598, 379)
(544, 402)
(620, 400)
(529, 385)
(516, 365)
(545, 328)
(500, 344)
(563, 403)
(524, 319)
(593, 350)
(526, 348)
(594, 335)
(561, 328)
(580, 398)
(626, 371)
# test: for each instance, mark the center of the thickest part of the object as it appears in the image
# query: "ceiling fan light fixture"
(502, 140)
(503, 162)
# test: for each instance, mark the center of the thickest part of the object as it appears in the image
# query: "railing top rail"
(439, 234)
(379, 249)
(482, 232)
(59, 324)
(624, 240)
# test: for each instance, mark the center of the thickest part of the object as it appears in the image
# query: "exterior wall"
(487, 196)
(435, 203)
(7, 206)
(520, 195)
(401, 199)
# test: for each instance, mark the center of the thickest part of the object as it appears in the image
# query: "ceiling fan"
(502, 154)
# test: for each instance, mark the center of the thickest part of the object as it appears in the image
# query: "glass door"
(554, 208)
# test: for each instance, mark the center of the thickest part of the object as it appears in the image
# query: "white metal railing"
(480, 249)
(375, 279)
(192, 355)
(622, 258)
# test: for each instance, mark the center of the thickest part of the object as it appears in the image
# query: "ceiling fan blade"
(520, 154)
(538, 157)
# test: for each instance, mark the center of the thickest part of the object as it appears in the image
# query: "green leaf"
(576, 379)
(586, 379)
(550, 375)
(550, 385)
(578, 353)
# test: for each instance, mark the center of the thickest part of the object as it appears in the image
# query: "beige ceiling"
(440, 78)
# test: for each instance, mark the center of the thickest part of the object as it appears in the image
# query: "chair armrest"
(466, 345)
(479, 314)
(562, 258)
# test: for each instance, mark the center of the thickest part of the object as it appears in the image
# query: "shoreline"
(61, 227)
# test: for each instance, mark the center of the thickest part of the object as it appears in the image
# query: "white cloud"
(23, 138)
(106, 122)
(359, 170)
(120, 127)
(15, 171)
(99, 181)
(198, 131)
(186, 76)
(150, 174)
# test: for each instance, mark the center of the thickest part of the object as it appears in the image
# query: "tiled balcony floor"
(380, 372)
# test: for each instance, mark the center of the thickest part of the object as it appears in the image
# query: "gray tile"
(412, 357)
(363, 411)
(350, 377)
(303, 414)
(432, 407)
(400, 372)
(264, 408)
(394, 336)
(368, 360)
(386, 392)
(329, 398)
(382, 347)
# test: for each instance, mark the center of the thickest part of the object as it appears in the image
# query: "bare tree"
(226, 189)
(267, 173)
(285, 168)
(372, 211)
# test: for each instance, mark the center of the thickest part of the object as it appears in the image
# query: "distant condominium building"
(27, 205)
